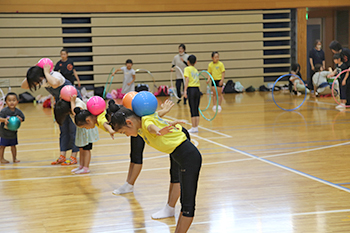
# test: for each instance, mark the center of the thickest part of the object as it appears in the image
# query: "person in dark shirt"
(66, 67)
(336, 47)
(8, 137)
(316, 56)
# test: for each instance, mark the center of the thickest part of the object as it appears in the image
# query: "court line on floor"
(279, 165)
(201, 127)
(240, 219)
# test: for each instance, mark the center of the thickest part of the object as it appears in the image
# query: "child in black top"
(66, 67)
(8, 137)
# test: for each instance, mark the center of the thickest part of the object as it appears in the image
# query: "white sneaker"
(76, 169)
(214, 108)
(193, 130)
(125, 188)
(340, 106)
(219, 108)
(84, 170)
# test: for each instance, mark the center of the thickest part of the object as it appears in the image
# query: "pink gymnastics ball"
(67, 92)
(96, 105)
(44, 61)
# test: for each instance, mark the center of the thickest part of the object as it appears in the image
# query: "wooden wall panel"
(302, 39)
(157, 5)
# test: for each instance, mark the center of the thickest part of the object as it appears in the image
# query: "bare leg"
(220, 95)
(81, 157)
(2, 150)
(183, 224)
(134, 171)
(87, 158)
(14, 154)
(196, 120)
(174, 194)
(214, 95)
(74, 154)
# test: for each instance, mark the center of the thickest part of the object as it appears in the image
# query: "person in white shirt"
(180, 60)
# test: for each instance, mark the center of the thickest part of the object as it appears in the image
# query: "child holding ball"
(167, 137)
(217, 69)
(8, 137)
(192, 91)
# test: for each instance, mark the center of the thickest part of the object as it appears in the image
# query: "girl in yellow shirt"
(217, 69)
(166, 137)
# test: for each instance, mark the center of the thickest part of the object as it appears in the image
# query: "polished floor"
(264, 170)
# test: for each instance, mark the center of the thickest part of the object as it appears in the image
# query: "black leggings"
(178, 88)
(193, 96)
(190, 161)
(136, 155)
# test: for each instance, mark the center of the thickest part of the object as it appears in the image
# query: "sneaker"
(214, 108)
(219, 108)
(60, 160)
(84, 170)
(125, 188)
(76, 169)
(178, 101)
(70, 161)
(340, 106)
(193, 130)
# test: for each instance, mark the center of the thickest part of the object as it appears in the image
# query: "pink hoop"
(347, 106)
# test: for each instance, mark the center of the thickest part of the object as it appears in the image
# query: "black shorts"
(217, 83)
(87, 147)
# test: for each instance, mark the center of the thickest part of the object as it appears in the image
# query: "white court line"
(279, 165)
(93, 164)
(201, 127)
(320, 102)
(308, 150)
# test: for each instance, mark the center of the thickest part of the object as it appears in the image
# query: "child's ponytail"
(112, 108)
(118, 119)
(80, 116)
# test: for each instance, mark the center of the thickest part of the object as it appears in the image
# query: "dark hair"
(192, 59)
(337, 56)
(318, 67)
(213, 53)
(11, 93)
(294, 67)
(112, 108)
(118, 119)
(317, 41)
(34, 76)
(64, 50)
(61, 110)
(80, 116)
(128, 61)
(182, 46)
(335, 45)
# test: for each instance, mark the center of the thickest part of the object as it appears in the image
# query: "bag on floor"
(141, 87)
(162, 91)
(250, 89)
(229, 87)
(239, 87)
(26, 97)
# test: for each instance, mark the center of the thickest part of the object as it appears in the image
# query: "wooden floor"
(264, 170)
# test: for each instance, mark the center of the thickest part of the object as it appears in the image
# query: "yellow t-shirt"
(166, 143)
(101, 119)
(216, 69)
(192, 74)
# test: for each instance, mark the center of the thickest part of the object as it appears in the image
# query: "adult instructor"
(66, 67)
(180, 60)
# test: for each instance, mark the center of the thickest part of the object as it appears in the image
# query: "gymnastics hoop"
(2, 99)
(172, 83)
(273, 88)
(339, 87)
(149, 72)
(217, 97)
(108, 83)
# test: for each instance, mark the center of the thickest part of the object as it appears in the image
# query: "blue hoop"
(273, 88)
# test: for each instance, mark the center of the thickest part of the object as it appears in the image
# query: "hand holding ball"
(144, 103)
(96, 105)
(67, 92)
(44, 61)
(13, 123)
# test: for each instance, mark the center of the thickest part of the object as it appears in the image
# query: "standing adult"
(316, 56)
(66, 67)
(180, 60)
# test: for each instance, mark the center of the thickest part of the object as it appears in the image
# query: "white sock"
(166, 212)
(125, 188)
